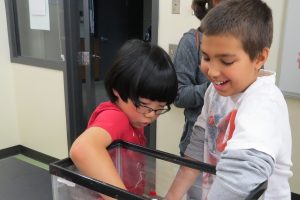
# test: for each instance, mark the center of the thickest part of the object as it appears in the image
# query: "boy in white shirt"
(244, 127)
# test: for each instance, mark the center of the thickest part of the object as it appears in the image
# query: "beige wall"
(171, 28)
(294, 111)
(32, 110)
(9, 130)
(41, 109)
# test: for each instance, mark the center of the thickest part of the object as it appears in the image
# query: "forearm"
(239, 172)
(90, 156)
(186, 176)
(99, 165)
(184, 179)
(101, 169)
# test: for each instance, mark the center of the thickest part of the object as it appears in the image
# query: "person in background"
(244, 127)
(192, 83)
(141, 85)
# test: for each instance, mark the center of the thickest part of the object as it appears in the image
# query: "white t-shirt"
(255, 119)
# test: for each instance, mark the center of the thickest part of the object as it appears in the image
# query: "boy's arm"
(195, 149)
(90, 156)
(186, 176)
(184, 179)
(239, 172)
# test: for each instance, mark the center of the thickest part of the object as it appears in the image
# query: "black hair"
(201, 7)
(141, 70)
(250, 21)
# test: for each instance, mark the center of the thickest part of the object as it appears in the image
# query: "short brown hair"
(250, 21)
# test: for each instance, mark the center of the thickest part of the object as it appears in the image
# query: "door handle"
(96, 57)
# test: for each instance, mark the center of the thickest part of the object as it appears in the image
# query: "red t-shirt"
(109, 117)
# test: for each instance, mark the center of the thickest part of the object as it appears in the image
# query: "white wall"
(171, 28)
(32, 110)
(41, 109)
(294, 111)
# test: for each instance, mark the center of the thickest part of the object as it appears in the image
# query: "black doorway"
(103, 27)
(115, 22)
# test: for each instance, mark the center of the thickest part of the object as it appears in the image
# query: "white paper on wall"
(39, 14)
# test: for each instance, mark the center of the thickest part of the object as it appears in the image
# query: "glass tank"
(147, 174)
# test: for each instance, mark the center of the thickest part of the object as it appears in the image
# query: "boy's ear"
(262, 58)
(116, 93)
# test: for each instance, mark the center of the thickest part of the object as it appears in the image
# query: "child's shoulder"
(264, 92)
(190, 36)
(108, 112)
(265, 86)
(108, 105)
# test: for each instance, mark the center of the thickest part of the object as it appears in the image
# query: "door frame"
(71, 72)
(72, 84)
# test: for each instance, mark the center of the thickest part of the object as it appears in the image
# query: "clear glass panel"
(34, 40)
(145, 176)
(67, 190)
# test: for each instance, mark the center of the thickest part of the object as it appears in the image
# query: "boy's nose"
(213, 71)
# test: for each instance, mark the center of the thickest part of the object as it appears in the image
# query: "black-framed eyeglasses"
(146, 110)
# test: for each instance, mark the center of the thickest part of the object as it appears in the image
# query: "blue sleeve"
(192, 84)
(239, 172)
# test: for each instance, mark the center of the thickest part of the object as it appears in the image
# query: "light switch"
(175, 6)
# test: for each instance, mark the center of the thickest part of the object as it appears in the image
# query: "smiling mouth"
(220, 82)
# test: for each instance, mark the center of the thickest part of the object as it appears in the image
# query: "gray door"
(104, 27)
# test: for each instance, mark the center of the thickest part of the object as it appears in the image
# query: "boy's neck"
(264, 72)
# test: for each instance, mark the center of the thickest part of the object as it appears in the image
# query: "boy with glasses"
(141, 85)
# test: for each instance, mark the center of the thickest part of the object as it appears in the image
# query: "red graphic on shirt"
(222, 126)
(211, 120)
